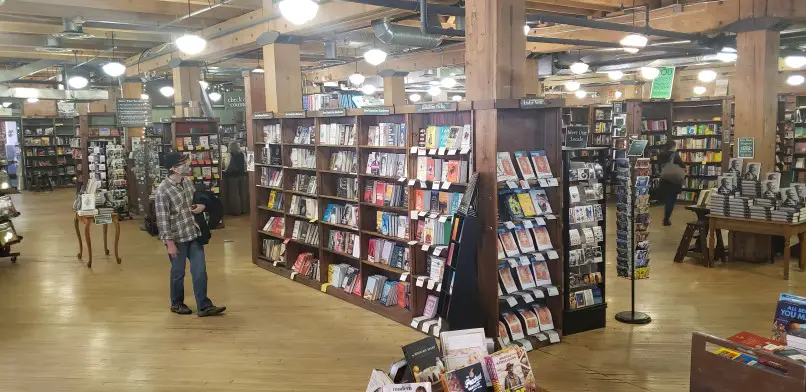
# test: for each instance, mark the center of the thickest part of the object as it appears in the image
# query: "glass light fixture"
(581, 93)
(634, 41)
(706, 76)
(795, 61)
(114, 69)
(434, 91)
(415, 97)
(649, 73)
(448, 83)
(204, 84)
(699, 90)
(526, 29)
(615, 75)
(32, 100)
(356, 79)
(456, 98)
(618, 94)
(144, 96)
(331, 84)
(215, 96)
(167, 91)
(375, 56)
(298, 11)
(191, 44)
(6, 104)
(795, 80)
(572, 85)
(727, 55)
(77, 81)
(579, 67)
(258, 70)
(368, 89)
(631, 50)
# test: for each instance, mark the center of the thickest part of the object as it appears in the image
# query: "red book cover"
(449, 260)
(380, 191)
(357, 288)
(419, 199)
(368, 193)
(371, 250)
(755, 341)
(430, 170)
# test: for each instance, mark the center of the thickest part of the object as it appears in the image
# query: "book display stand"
(8, 234)
(197, 138)
(584, 223)
(105, 159)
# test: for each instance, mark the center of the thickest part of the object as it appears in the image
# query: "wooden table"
(88, 221)
(764, 227)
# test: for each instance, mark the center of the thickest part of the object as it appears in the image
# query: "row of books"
(655, 140)
(307, 265)
(381, 289)
(206, 172)
(386, 164)
(304, 206)
(344, 242)
(272, 133)
(271, 155)
(304, 183)
(601, 140)
(391, 253)
(306, 232)
(341, 214)
(388, 194)
(346, 277)
(584, 298)
(437, 202)
(443, 170)
(275, 224)
(706, 142)
(528, 321)
(655, 125)
(522, 240)
(704, 170)
(391, 224)
(270, 176)
(273, 249)
(337, 134)
(697, 129)
(531, 165)
(452, 137)
(577, 280)
(523, 277)
(387, 134)
(519, 203)
(700, 183)
(700, 156)
(304, 135)
(201, 158)
(435, 267)
(800, 147)
(347, 188)
(344, 161)
(433, 231)
(187, 143)
(276, 199)
(601, 127)
(303, 158)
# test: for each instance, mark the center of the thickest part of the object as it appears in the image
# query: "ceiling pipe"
(413, 6)
(194, 13)
(597, 24)
(391, 34)
(563, 41)
(426, 27)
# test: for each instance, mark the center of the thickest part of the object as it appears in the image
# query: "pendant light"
(434, 91)
(634, 41)
(572, 85)
(356, 79)
(144, 96)
(615, 75)
(448, 83)
(526, 29)
(190, 43)
(415, 97)
(795, 61)
(32, 100)
(375, 56)
(706, 76)
(77, 82)
(203, 84)
(699, 90)
(299, 11)
(167, 91)
(581, 94)
(795, 80)
(618, 94)
(259, 69)
(649, 73)
(579, 67)
(456, 98)
(727, 55)
(368, 89)
(215, 96)
(114, 68)
(6, 104)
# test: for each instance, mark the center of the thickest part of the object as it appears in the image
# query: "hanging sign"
(532, 103)
(377, 111)
(133, 113)
(235, 100)
(332, 112)
(576, 137)
(66, 109)
(435, 107)
(662, 85)
(263, 116)
(747, 147)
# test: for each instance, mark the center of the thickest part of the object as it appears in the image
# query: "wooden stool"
(698, 230)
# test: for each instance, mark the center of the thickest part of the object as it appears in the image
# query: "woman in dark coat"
(237, 196)
(667, 190)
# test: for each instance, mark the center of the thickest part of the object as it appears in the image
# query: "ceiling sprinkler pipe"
(391, 34)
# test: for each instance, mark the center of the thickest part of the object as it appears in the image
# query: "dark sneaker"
(181, 309)
(212, 311)
(667, 223)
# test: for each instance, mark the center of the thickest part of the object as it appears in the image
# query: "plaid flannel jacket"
(174, 217)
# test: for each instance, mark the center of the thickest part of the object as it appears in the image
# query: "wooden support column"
(283, 78)
(757, 93)
(187, 91)
(394, 90)
(533, 85)
(133, 90)
(255, 95)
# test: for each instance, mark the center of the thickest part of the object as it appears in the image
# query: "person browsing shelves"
(180, 233)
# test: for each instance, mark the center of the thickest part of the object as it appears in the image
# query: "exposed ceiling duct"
(73, 29)
(28, 69)
(53, 45)
(392, 34)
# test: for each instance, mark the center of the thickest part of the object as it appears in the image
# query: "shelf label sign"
(747, 147)
(435, 107)
(263, 116)
(576, 137)
(377, 111)
(300, 114)
(662, 85)
(332, 112)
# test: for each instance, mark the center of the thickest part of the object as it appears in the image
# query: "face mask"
(183, 169)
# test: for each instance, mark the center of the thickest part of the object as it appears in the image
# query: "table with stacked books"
(759, 205)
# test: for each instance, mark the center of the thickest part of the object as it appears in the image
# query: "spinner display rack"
(197, 138)
(656, 119)
(584, 279)
(697, 128)
(40, 157)
(104, 158)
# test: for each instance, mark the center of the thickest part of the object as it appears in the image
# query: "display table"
(756, 226)
(88, 221)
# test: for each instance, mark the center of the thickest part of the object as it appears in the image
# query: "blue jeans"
(198, 271)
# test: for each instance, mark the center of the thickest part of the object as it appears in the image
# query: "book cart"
(697, 128)
(197, 138)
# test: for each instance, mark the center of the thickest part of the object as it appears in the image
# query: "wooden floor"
(66, 328)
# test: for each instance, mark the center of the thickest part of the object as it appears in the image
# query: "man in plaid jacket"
(179, 232)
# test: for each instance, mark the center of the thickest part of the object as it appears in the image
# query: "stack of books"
(306, 232)
(337, 134)
(386, 164)
(750, 188)
(306, 265)
(391, 224)
(389, 253)
(342, 214)
(304, 135)
(344, 242)
(347, 188)
(345, 276)
(387, 134)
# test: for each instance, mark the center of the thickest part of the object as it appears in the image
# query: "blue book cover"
(385, 224)
(327, 213)
(443, 136)
(401, 140)
(385, 293)
(790, 317)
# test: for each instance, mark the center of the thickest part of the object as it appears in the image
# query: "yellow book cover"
(272, 194)
(526, 204)
(378, 221)
(431, 137)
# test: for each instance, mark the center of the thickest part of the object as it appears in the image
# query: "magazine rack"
(713, 373)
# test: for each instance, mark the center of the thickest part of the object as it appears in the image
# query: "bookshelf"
(198, 138)
(697, 128)
(48, 157)
(578, 117)
(656, 119)
(784, 138)
(799, 126)
(601, 122)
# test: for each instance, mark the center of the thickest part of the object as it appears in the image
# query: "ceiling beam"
(583, 5)
(534, 6)
(156, 7)
(47, 29)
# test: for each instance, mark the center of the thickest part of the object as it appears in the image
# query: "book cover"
(510, 370)
(454, 137)
(511, 205)
(541, 273)
(431, 137)
(524, 239)
(529, 319)
(790, 317)
(444, 133)
(542, 238)
(410, 387)
(421, 137)
(507, 281)
(515, 329)
(504, 168)
(525, 201)
(419, 200)
(525, 166)
(508, 241)
(540, 201)
(443, 203)
(544, 317)
(430, 306)
(466, 379)
(377, 380)
(466, 141)
(541, 164)
(422, 168)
